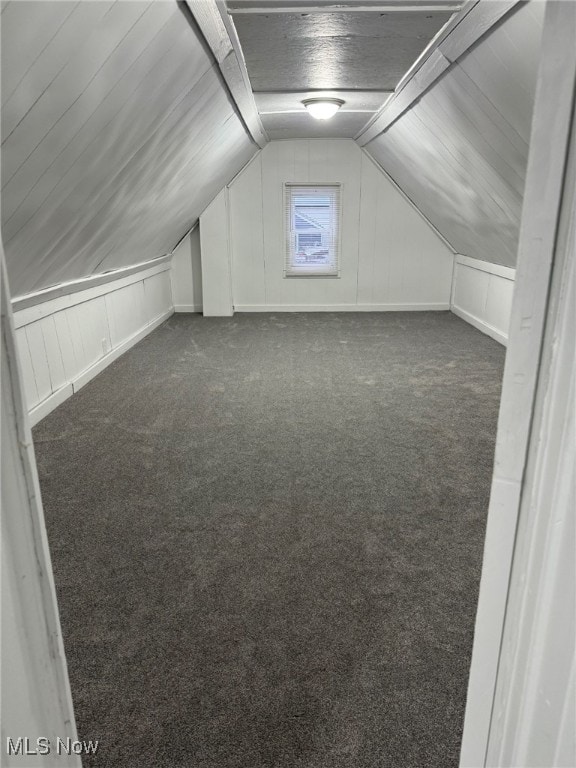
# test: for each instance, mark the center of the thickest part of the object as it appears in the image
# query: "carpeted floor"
(267, 534)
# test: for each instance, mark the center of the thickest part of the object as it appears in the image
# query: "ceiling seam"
(408, 199)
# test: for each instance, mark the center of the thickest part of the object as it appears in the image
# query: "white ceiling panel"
(340, 6)
(115, 93)
(21, 41)
(460, 151)
(301, 125)
(355, 50)
(285, 117)
(117, 131)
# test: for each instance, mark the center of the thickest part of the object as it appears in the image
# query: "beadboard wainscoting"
(482, 295)
(66, 339)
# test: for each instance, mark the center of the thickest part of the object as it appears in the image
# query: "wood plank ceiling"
(117, 131)
(356, 51)
(118, 124)
(460, 151)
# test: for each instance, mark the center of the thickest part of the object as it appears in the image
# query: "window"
(312, 224)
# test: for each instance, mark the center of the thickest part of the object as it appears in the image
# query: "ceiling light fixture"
(322, 109)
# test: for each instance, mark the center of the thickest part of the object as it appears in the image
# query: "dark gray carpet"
(267, 534)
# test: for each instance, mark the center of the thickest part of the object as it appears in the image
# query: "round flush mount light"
(322, 109)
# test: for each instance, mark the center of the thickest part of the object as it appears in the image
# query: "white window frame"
(291, 269)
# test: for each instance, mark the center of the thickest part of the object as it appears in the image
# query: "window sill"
(315, 277)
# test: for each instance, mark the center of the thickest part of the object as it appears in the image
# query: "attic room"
(288, 383)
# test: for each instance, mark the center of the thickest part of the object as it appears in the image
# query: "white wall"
(215, 250)
(65, 341)
(391, 258)
(186, 274)
(35, 696)
(482, 295)
(520, 704)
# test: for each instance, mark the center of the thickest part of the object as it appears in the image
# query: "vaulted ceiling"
(117, 131)
(454, 135)
(460, 151)
(122, 120)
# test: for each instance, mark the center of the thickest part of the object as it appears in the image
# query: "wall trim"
(35, 306)
(340, 307)
(481, 325)
(453, 281)
(245, 168)
(187, 307)
(509, 273)
(86, 283)
(57, 398)
(187, 234)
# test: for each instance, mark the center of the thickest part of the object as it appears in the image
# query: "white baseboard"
(489, 330)
(51, 402)
(68, 339)
(62, 394)
(105, 361)
(187, 307)
(340, 307)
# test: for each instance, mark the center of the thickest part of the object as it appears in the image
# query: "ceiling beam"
(220, 35)
(442, 33)
(261, 7)
(459, 35)
(209, 20)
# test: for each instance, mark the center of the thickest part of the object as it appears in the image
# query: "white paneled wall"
(186, 274)
(391, 258)
(215, 248)
(65, 341)
(482, 295)
(401, 259)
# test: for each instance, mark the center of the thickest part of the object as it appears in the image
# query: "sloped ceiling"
(460, 151)
(455, 134)
(117, 131)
